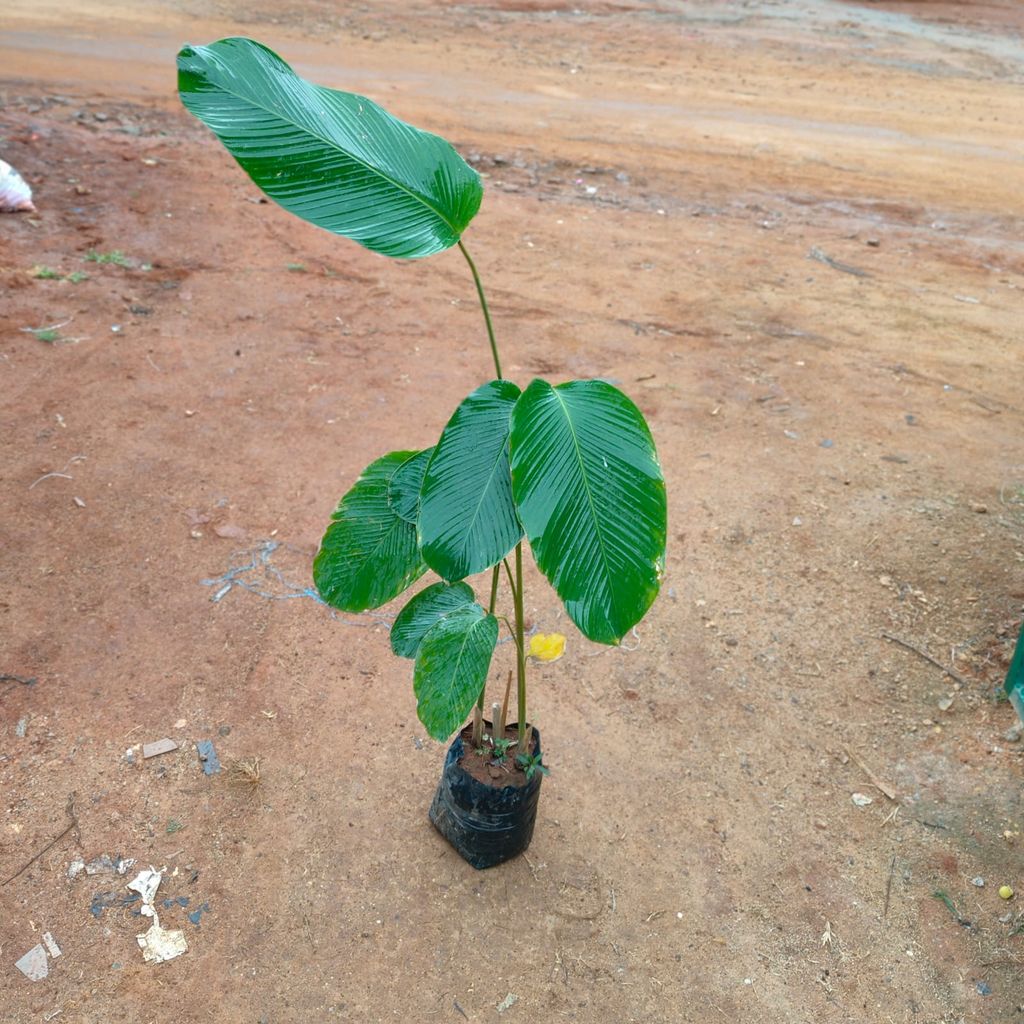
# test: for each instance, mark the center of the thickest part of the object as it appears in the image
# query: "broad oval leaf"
(368, 555)
(591, 496)
(467, 518)
(451, 668)
(423, 612)
(333, 158)
(404, 492)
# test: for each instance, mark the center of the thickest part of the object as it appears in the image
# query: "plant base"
(486, 824)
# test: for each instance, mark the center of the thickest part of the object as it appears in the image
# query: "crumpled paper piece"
(547, 646)
(158, 944)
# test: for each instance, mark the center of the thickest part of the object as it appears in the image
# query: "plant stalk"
(524, 730)
(478, 724)
(487, 312)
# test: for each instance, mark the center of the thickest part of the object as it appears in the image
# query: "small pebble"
(946, 703)
(861, 800)
(826, 443)
(979, 508)
(1013, 734)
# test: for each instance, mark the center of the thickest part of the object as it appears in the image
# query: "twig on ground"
(952, 672)
(888, 887)
(70, 811)
(875, 780)
(823, 257)
(64, 474)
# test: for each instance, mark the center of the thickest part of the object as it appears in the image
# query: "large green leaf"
(451, 668)
(368, 554)
(423, 612)
(404, 492)
(333, 158)
(591, 496)
(467, 518)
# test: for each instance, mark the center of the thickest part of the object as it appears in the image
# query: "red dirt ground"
(676, 195)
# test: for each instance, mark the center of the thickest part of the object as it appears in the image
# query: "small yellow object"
(547, 646)
(1006, 892)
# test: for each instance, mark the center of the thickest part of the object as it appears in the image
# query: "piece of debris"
(34, 964)
(978, 881)
(158, 944)
(861, 799)
(823, 257)
(945, 704)
(19, 729)
(15, 196)
(102, 865)
(51, 945)
(508, 1002)
(208, 757)
(246, 772)
(105, 900)
(1013, 734)
(195, 916)
(547, 647)
(157, 747)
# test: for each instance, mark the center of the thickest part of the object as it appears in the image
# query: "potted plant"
(569, 467)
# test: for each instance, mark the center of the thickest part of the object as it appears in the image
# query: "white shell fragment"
(15, 195)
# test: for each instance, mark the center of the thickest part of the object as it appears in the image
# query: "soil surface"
(488, 769)
(792, 232)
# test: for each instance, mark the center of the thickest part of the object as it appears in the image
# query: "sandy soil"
(793, 233)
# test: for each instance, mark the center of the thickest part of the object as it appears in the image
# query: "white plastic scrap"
(861, 799)
(34, 964)
(15, 195)
(51, 945)
(146, 883)
(158, 944)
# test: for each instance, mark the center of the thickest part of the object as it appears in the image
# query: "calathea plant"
(570, 467)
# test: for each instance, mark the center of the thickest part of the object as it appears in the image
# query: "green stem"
(524, 732)
(478, 714)
(487, 313)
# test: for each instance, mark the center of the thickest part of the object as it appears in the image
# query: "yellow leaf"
(547, 646)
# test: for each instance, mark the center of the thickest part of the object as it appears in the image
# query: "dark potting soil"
(485, 769)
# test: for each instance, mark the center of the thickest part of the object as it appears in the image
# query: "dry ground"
(793, 232)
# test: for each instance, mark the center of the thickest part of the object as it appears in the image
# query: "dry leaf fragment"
(547, 646)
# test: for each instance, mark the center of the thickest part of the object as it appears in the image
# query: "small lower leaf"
(368, 554)
(423, 612)
(451, 668)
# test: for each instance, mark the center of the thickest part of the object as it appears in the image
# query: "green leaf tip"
(335, 159)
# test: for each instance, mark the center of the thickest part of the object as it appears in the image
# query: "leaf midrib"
(376, 170)
(590, 498)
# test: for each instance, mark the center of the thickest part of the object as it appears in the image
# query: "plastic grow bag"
(485, 824)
